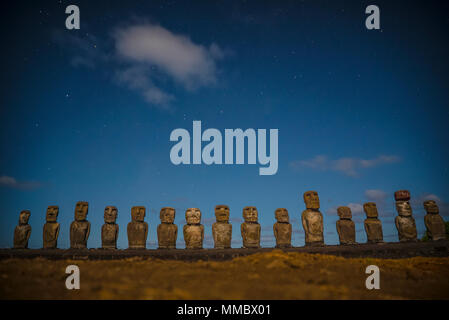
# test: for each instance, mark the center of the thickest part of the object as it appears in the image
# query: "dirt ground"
(271, 275)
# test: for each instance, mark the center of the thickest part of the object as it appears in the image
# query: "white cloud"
(356, 209)
(347, 166)
(376, 195)
(11, 182)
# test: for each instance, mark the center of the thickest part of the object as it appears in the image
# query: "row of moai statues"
(167, 231)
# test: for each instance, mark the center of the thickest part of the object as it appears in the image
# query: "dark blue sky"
(87, 114)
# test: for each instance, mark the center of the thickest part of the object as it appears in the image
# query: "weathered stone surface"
(109, 230)
(80, 228)
(373, 226)
(405, 223)
(22, 231)
(167, 231)
(137, 229)
(282, 229)
(312, 220)
(345, 226)
(250, 229)
(51, 228)
(193, 230)
(222, 229)
(436, 229)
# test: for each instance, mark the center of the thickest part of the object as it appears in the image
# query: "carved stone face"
(344, 212)
(52, 213)
(370, 209)
(281, 215)
(110, 214)
(138, 213)
(404, 209)
(193, 216)
(431, 207)
(24, 216)
(222, 213)
(81, 210)
(250, 214)
(312, 200)
(167, 215)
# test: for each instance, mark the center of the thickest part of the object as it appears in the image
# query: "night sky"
(87, 114)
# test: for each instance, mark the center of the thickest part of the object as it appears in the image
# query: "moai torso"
(405, 223)
(312, 220)
(345, 226)
(167, 231)
(51, 228)
(250, 229)
(436, 229)
(373, 226)
(22, 231)
(80, 228)
(137, 229)
(222, 229)
(193, 230)
(282, 229)
(109, 230)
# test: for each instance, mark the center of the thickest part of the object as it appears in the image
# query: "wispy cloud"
(348, 166)
(376, 195)
(356, 209)
(10, 182)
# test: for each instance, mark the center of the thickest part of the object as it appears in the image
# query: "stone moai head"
(250, 214)
(24, 216)
(138, 213)
(222, 213)
(110, 214)
(281, 215)
(431, 207)
(403, 207)
(52, 213)
(167, 215)
(81, 210)
(344, 213)
(193, 216)
(312, 200)
(370, 209)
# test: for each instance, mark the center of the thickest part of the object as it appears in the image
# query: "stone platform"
(391, 250)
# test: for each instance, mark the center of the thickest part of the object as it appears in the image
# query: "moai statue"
(222, 229)
(193, 230)
(80, 228)
(373, 226)
(345, 226)
(250, 229)
(282, 229)
(436, 229)
(22, 231)
(51, 228)
(137, 229)
(312, 220)
(405, 223)
(167, 231)
(109, 231)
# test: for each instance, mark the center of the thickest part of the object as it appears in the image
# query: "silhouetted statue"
(312, 220)
(282, 229)
(51, 228)
(167, 231)
(222, 229)
(405, 223)
(109, 230)
(373, 226)
(80, 228)
(137, 229)
(193, 230)
(22, 231)
(436, 229)
(250, 229)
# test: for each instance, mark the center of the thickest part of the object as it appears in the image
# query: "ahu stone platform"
(389, 250)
